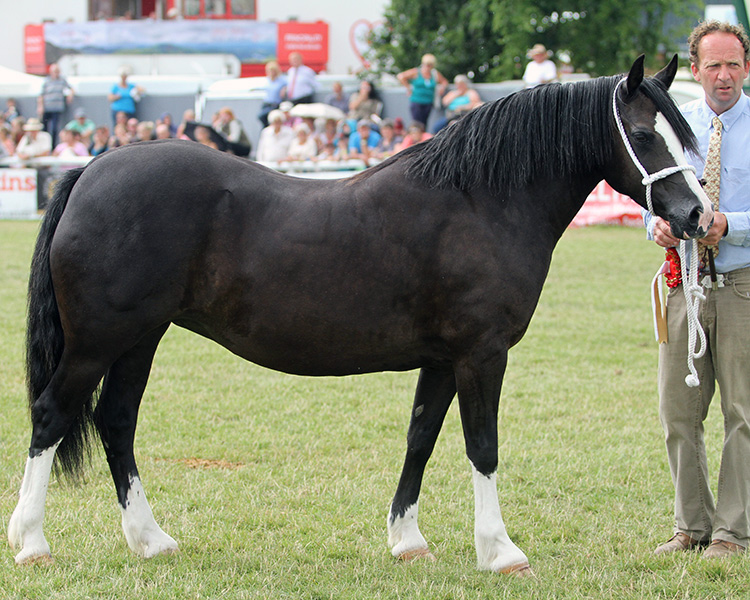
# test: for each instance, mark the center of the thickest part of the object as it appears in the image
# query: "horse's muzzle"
(694, 223)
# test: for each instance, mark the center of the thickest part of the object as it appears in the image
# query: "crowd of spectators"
(352, 129)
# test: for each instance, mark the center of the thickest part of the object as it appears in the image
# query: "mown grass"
(278, 486)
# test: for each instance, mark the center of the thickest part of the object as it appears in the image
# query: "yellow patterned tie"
(712, 177)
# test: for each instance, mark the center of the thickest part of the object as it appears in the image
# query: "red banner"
(605, 206)
(309, 39)
(34, 50)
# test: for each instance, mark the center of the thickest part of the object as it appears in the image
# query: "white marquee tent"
(18, 84)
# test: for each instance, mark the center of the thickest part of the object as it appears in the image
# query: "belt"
(706, 282)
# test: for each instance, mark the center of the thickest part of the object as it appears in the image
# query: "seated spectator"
(303, 146)
(275, 139)
(144, 131)
(231, 129)
(70, 145)
(7, 146)
(100, 141)
(132, 125)
(11, 110)
(342, 140)
(82, 125)
(16, 129)
(365, 102)
(120, 137)
(337, 98)
(362, 143)
(415, 135)
(328, 135)
(166, 119)
(328, 152)
(162, 132)
(187, 117)
(203, 136)
(389, 141)
(457, 102)
(34, 142)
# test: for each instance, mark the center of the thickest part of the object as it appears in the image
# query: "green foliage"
(489, 38)
(278, 486)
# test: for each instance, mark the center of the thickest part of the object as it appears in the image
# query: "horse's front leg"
(435, 391)
(479, 384)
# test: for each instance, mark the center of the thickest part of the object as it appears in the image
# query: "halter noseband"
(647, 179)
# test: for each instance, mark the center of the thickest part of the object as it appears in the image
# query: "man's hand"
(718, 230)
(663, 234)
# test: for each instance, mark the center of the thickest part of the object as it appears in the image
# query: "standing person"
(541, 69)
(301, 81)
(421, 83)
(56, 95)
(720, 58)
(123, 96)
(276, 82)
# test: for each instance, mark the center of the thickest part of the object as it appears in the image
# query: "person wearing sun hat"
(541, 69)
(35, 142)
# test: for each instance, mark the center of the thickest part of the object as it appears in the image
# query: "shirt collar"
(729, 117)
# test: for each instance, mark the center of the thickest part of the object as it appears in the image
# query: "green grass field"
(278, 486)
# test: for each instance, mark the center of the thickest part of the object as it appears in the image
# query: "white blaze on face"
(664, 129)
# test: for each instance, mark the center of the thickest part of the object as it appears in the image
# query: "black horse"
(434, 260)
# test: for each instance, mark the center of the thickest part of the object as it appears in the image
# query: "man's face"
(721, 70)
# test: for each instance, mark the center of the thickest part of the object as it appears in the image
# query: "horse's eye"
(641, 137)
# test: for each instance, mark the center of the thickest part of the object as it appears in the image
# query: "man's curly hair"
(703, 29)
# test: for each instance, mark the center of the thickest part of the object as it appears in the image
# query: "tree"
(489, 38)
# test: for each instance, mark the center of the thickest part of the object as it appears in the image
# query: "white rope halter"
(647, 179)
(693, 293)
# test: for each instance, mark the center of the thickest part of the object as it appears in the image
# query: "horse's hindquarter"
(302, 276)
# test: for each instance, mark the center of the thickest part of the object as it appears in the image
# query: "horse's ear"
(666, 75)
(636, 75)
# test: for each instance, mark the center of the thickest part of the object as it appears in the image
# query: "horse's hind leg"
(435, 392)
(116, 416)
(52, 415)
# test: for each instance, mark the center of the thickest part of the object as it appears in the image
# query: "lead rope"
(693, 298)
(693, 294)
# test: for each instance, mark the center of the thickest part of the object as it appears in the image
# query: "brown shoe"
(722, 549)
(679, 542)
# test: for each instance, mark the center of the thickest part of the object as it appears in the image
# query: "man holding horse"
(720, 59)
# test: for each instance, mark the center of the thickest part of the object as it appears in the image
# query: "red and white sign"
(18, 194)
(605, 206)
(34, 49)
(309, 39)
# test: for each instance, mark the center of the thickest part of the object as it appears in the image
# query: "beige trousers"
(725, 316)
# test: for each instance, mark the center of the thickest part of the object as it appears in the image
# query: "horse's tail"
(44, 333)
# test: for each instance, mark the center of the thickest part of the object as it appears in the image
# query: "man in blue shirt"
(720, 59)
(364, 141)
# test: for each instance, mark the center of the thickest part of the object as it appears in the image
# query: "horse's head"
(649, 161)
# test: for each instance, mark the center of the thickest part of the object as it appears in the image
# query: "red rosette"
(674, 272)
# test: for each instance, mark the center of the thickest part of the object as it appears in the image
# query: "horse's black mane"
(534, 134)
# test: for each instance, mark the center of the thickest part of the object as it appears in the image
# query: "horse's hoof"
(520, 570)
(417, 554)
(43, 560)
